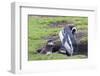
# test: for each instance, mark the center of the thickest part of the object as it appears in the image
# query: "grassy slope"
(38, 28)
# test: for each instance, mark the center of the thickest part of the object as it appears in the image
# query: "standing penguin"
(68, 40)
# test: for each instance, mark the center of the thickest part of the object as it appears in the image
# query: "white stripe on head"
(74, 28)
(50, 43)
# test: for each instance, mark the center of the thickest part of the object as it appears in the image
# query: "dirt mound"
(82, 41)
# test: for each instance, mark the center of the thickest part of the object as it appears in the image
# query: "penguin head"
(50, 42)
(72, 28)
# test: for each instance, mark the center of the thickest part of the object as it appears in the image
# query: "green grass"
(38, 28)
(54, 57)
